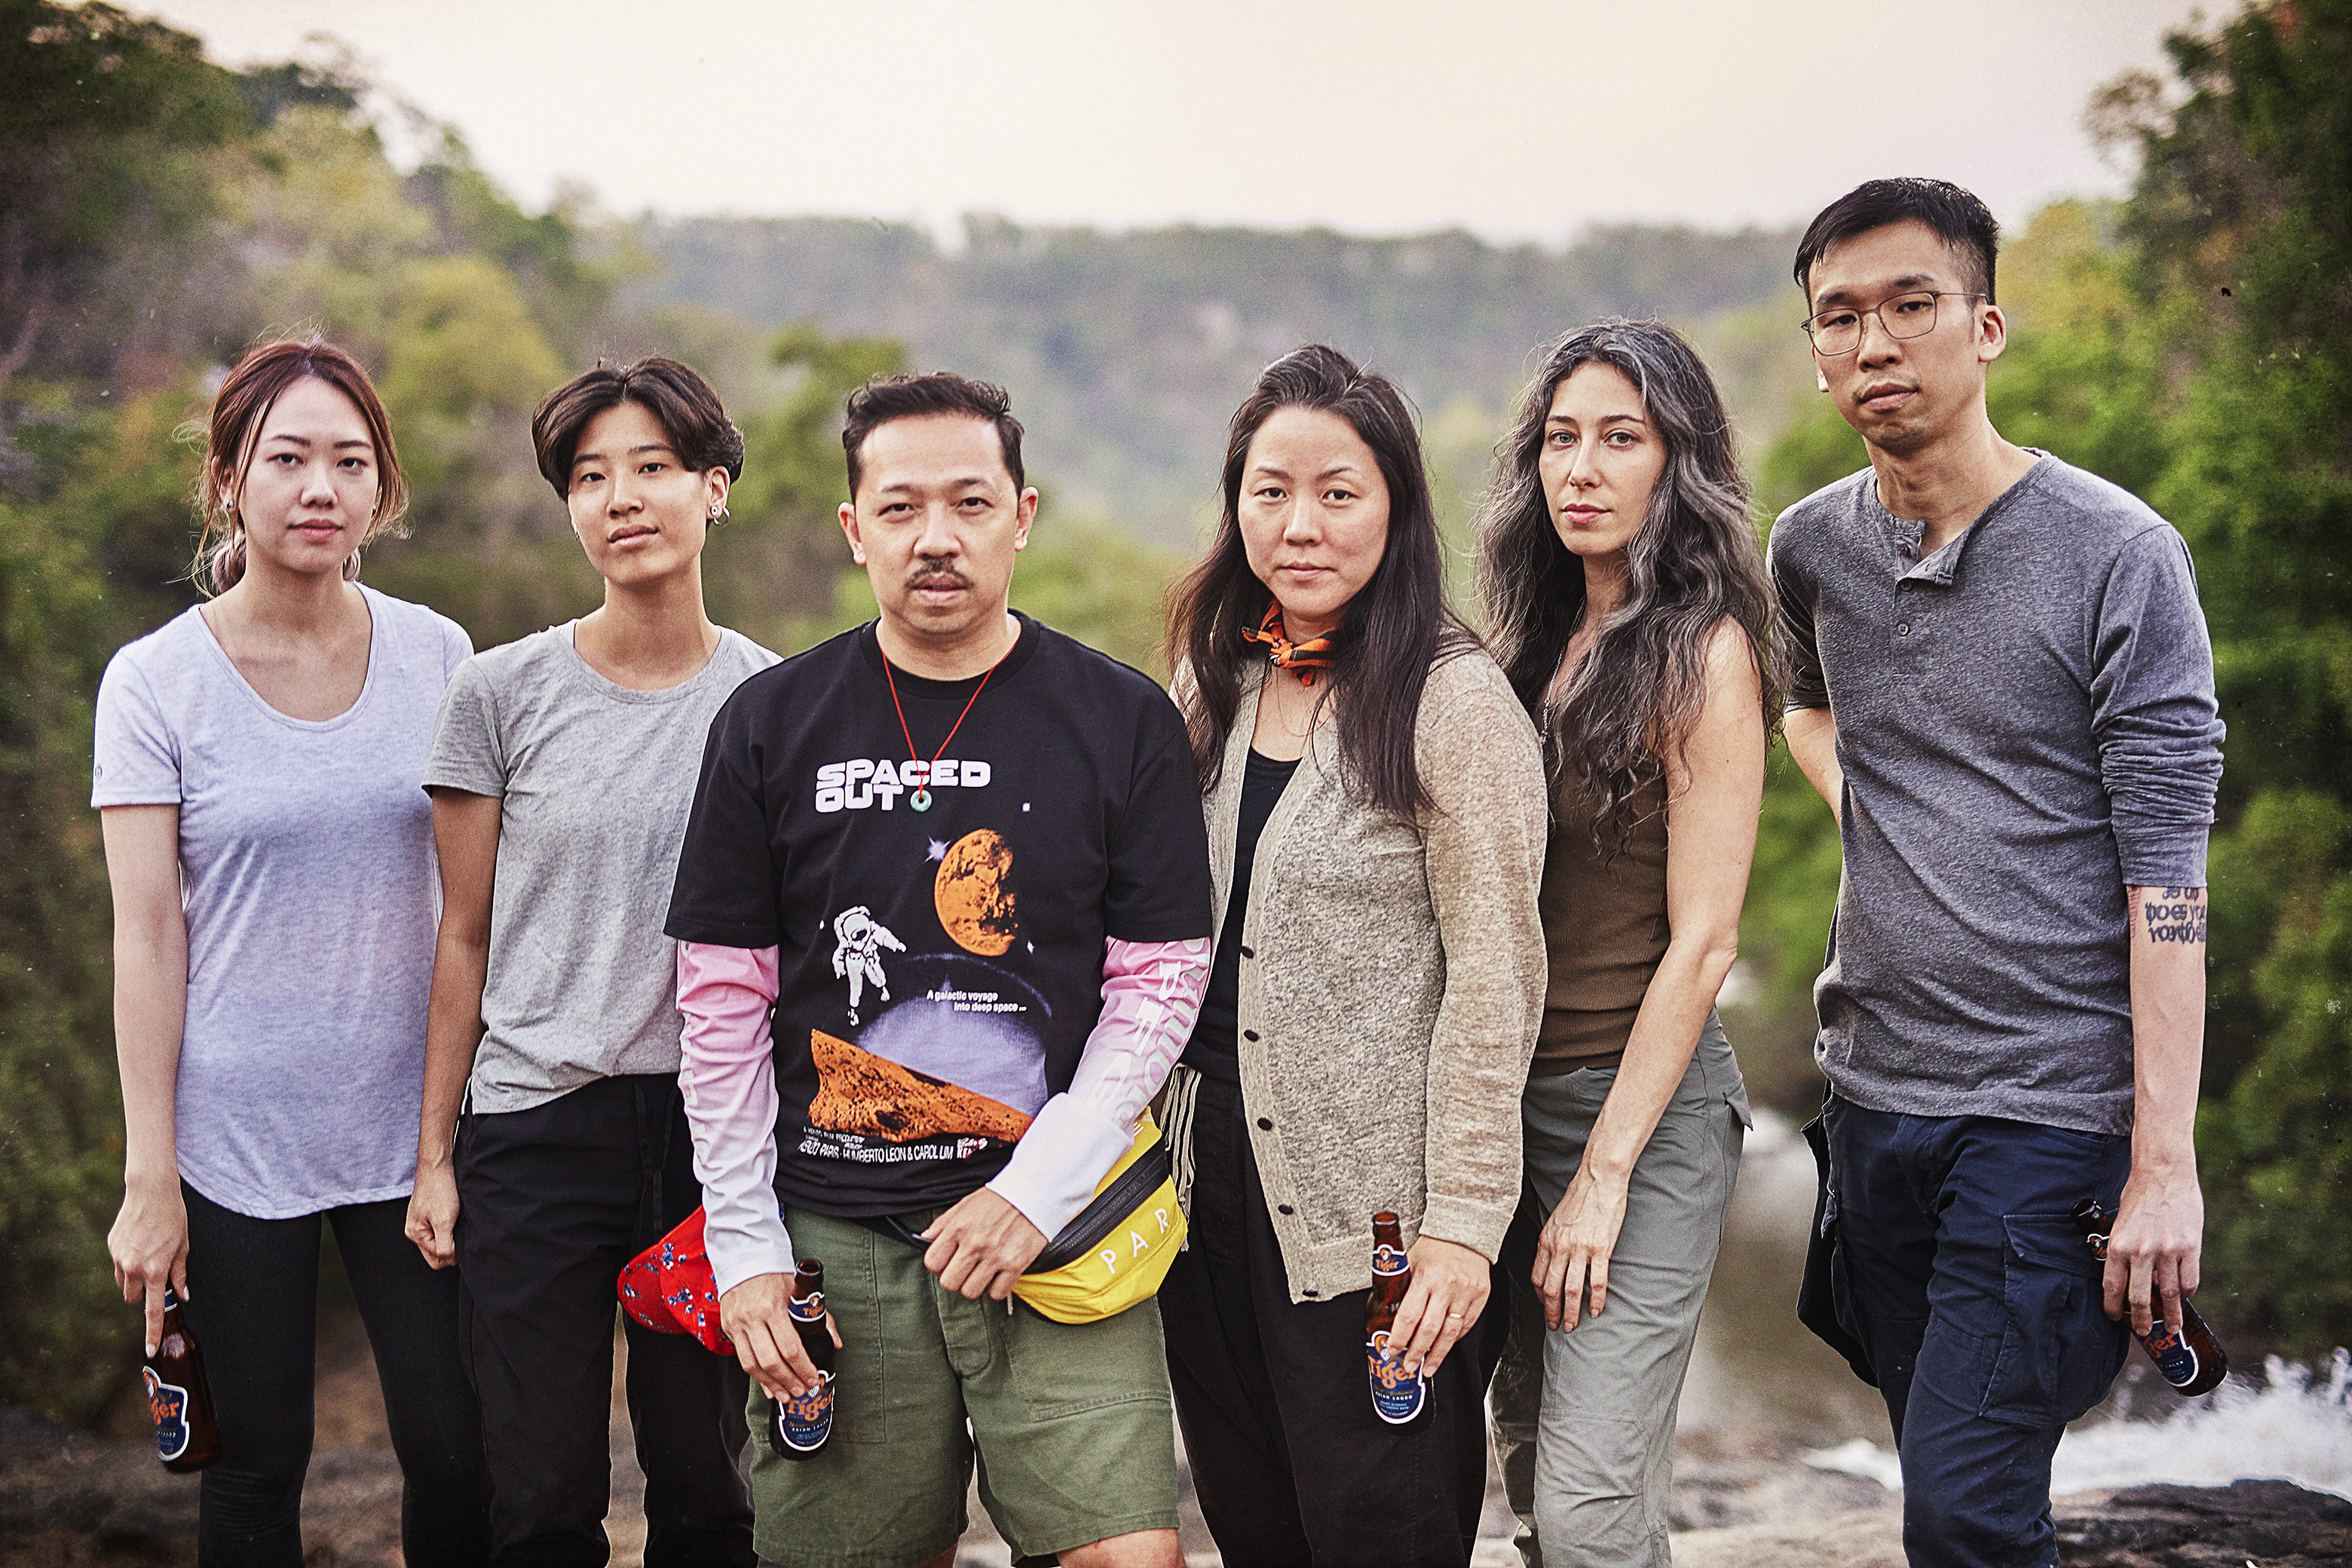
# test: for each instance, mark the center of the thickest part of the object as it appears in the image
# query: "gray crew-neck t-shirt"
(596, 781)
(2027, 725)
(308, 885)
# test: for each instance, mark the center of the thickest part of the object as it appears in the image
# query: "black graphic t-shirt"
(940, 925)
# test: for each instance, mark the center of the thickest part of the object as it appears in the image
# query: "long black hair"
(1394, 628)
(1693, 564)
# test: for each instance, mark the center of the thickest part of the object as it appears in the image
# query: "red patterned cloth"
(670, 1289)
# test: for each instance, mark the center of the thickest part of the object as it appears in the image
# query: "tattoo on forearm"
(2179, 917)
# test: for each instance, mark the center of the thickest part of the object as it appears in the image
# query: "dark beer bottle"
(798, 1428)
(2189, 1355)
(1397, 1397)
(186, 1437)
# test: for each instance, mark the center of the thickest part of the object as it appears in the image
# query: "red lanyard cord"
(922, 797)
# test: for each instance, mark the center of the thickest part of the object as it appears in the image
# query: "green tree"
(106, 124)
(64, 1339)
(2242, 227)
(777, 570)
(157, 213)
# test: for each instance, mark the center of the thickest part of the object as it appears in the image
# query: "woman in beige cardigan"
(1375, 818)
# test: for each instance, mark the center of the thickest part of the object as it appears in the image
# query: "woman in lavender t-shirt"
(271, 860)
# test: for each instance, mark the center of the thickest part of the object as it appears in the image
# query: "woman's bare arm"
(1715, 791)
(466, 838)
(149, 1242)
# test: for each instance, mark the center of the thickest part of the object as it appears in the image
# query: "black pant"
(552, 1201)
(1291, 1463)
(253, 1305)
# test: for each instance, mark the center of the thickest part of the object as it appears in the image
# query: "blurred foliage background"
(159, 212)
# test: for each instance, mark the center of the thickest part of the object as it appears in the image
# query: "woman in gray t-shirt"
(271, 863)
(563, 770)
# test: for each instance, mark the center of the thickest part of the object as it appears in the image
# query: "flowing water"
(1757, 1368)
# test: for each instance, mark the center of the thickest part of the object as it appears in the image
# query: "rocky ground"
(1743, 1499)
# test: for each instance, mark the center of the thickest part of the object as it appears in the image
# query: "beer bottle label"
(168, 1403)
(809, 1309)
(1397, 1397)
(804, 1421)
(2172, 1352)
(1389, 1260)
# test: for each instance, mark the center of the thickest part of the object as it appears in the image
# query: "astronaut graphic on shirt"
(955, 1065)
(858, 956)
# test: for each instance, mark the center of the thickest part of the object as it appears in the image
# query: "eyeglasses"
(1913, 315)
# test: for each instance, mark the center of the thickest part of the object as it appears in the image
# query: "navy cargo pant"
(1959, 1268)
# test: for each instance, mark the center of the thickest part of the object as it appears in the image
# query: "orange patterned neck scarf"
(1309, 657)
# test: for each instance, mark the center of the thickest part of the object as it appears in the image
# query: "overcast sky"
(1513, 118)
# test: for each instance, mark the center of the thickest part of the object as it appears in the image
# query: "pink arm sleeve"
(1151, 994)
(728, 1076)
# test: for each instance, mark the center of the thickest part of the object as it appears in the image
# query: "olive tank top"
(1604, 923)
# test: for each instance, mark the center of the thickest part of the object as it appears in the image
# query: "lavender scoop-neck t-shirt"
(307, 883)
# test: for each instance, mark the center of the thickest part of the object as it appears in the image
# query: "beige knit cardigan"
(1391, 980)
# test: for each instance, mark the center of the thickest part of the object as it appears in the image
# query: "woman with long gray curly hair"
(1627, 603)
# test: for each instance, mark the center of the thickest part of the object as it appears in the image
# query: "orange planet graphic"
(973, 893)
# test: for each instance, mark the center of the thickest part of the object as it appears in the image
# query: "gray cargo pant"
(1583, 1419)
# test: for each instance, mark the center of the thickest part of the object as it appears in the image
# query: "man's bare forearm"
(2153, 1260)
(2168, 1005)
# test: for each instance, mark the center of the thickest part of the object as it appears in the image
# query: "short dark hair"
(674, 393)
(1962, 221)
(889, 397)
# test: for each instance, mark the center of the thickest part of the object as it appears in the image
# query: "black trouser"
(253, 1305)
(552, 1201)
(1291, 1463)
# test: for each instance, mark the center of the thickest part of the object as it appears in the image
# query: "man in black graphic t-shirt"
(962, 856)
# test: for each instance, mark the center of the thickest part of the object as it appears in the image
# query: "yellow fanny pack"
(1118, 1249)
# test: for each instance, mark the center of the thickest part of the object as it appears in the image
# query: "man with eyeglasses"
(2000, 681)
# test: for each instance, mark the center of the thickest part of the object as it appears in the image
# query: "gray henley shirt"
(2027, 725)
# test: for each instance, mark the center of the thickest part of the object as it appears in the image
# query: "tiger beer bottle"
(186, 1438)
(2189, 1355)
(1397, 1396)
(798, 1428)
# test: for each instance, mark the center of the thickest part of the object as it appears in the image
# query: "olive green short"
(1072, 1422)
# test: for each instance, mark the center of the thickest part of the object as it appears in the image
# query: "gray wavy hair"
(1693, 562)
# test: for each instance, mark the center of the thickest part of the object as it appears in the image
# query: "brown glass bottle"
(2189, 1355)
(799, 1428)
(1397, 1397)
(187, 1436)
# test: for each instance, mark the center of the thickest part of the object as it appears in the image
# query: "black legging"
(253, 1303)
